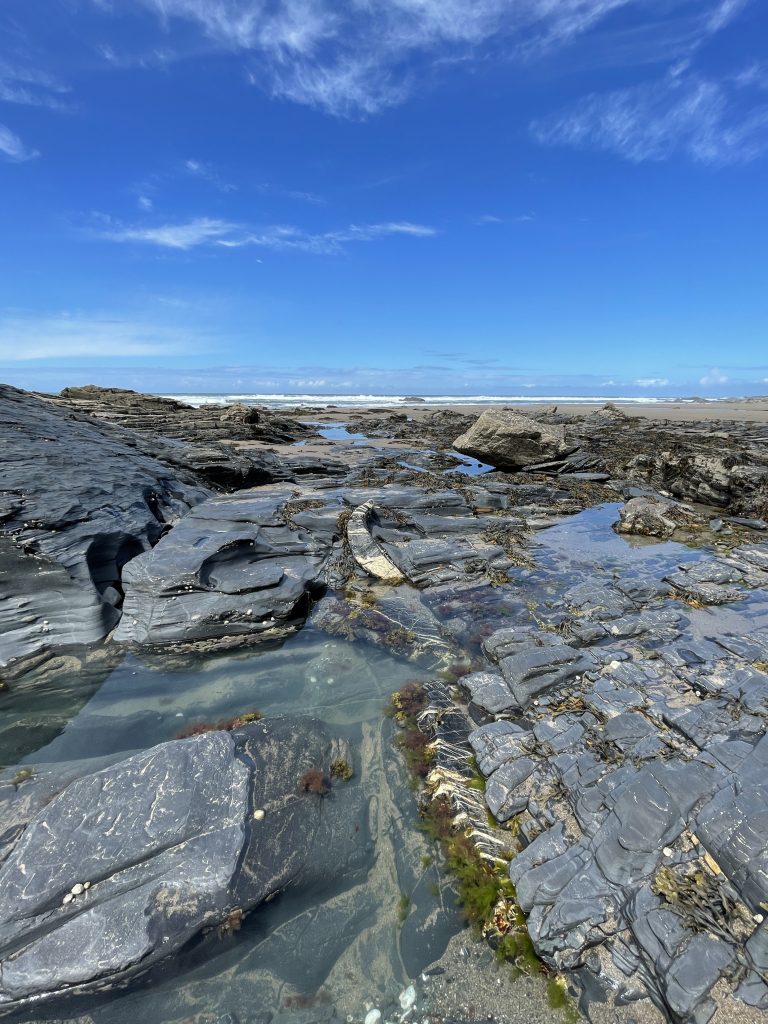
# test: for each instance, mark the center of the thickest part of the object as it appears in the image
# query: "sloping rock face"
(77, 501)
(183, 838)
(233, 566)
(509, 440)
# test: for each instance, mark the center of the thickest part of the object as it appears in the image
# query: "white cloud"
(67, 336)
(714, 376)
(207, 231)
(144, 202)
(723, 13)
(199, 169)
(12, 148)
(349, 58)
(173, 236)
(31, 87)
(651, 382)
(681, 113)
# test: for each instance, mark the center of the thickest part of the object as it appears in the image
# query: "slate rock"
(80, 500)
(233, 566)
(168, 841)
(537, 670)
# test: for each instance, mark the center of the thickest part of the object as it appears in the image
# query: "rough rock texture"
(635, 772)
(509, 440)
(77, 501)
(172, 418)
(233, 565)
(171, 847)
(654, 517)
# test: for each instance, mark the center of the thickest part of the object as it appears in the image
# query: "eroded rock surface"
(170, 844)
(509, 440)
(170, 417)
(78, 500)
(234, 565)
(654, 517)
(634, 771)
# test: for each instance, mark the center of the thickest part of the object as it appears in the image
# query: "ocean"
(363, 401)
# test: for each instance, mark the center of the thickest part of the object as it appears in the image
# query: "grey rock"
(509, 440)
(653, 517)
(498, 742)
(80, 500)
(233, 566)
(168, 842)
(489, 691)
(502, 790)
(533, 672)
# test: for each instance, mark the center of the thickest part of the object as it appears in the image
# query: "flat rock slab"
(537, 670)
(171, 846)
(232, 566)
(489, 691)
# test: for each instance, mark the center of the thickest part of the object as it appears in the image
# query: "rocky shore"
(582, 599)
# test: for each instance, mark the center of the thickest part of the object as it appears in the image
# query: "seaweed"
(341, 769)
(314, 781)
(226, 725)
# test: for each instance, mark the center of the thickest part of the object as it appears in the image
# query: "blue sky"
(385, 196)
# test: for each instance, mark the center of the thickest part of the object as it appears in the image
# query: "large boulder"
(127, 864)
(509, 440)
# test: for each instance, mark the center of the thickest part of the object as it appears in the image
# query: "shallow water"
(343, 944)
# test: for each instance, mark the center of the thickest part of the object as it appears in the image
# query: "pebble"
(77, 889)
(372, 1017)
(667, 851)
(259, 815)
(68, 898)
(407, 998)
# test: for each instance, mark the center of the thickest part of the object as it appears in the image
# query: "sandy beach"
(745, 410)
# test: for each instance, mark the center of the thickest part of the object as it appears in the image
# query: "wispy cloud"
(31, 87)
(200, 169)
(188, 235)
(328, 243)
(715, 376)
(289, 193)
(12, 147)
(355, 59)
(651, 382)
(682, 113)
(208, 231)
(67, 336)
